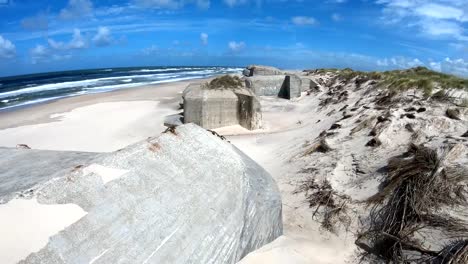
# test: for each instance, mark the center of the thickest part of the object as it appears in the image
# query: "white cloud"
(455, 66)
(77, 42)
(303, 20)
(433, 18)
(336, 17)
(103, 37)
(399, 62)
(7, 49)
(204, 38)
(439, 11)
(39, 53)
(441, 28)
(436, 66)
(76, 9)
(232, 3)
(236, 46)
(452, 66)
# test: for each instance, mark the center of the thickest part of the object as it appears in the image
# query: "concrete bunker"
(270, 81)
(213, 108)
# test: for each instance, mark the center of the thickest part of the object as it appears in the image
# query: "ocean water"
(26, 90)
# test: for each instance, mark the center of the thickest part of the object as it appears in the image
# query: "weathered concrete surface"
(249, 110)
(284, 86)
(185, 197)
(174, 120)
(308, 83)
(265, 85)
(214, 108)
(210, 108)
(291, 88)
(24, 168)
(254, 70)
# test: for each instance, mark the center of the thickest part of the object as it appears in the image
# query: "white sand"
(26, 225)
(102, 127)
(107, 174)
(295, 251)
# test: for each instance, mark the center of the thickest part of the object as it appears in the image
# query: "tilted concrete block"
(186, 196)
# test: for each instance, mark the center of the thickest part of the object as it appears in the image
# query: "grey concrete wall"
(210, 108)
(187, 197)
(193, 102)
(284, 86)
(249, 111)
(295, 86)
(307, 83)
(220, 111)
(265, 85)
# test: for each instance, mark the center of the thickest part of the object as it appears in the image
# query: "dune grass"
(399, 80)
(225, 82)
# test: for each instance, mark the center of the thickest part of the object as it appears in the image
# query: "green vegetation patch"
(225, 82)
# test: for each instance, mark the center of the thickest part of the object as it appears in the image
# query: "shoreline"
(164, 93)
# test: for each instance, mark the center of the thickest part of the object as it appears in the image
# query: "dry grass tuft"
(334, 206)
(454, 253)
(453, 113)
(416, 188)
(320, 146)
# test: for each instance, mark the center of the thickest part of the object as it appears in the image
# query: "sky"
(42, 36)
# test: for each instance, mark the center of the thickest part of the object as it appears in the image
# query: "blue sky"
(39, 36)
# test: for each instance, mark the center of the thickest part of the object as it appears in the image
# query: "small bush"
(225, 82)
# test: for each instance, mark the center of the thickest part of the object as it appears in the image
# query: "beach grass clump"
(415, 190)
(225, 82)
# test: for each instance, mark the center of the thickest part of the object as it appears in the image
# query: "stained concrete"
(249, 110)
(186, 197)
(214, 108)
(284, 86)
(24, 168)
(265, 85)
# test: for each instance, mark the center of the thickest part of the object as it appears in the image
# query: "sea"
(26, 90)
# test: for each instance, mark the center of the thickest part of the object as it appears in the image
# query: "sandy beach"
(95, 122)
